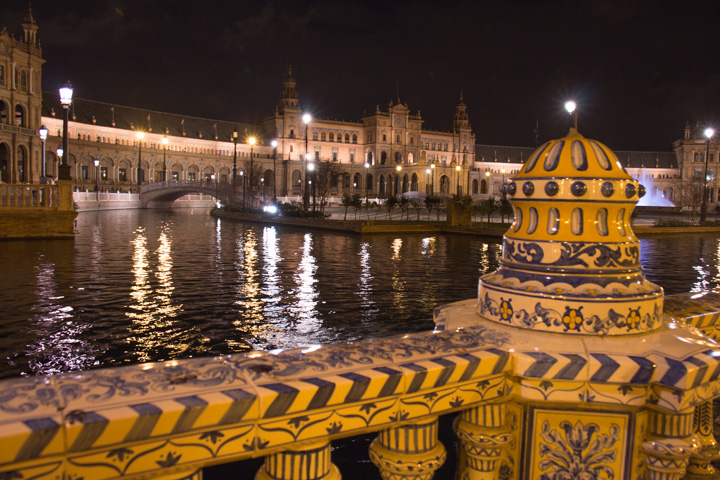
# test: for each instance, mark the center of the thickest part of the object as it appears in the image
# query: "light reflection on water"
(156, 285)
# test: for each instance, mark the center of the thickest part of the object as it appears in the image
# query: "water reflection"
(155, 285)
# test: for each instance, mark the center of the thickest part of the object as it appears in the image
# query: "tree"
(488, 207)
(357, 204)
(370, 206)
(417, 206)
(432, 202)
(390, 203)
(326, 175)
(404, 204)
(505, 208)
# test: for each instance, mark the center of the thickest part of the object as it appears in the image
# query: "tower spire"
(30, 27)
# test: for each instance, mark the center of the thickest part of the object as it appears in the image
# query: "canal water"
(144, 285)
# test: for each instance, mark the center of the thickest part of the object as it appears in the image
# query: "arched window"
(315, 135)
(368, 182)
(414, 183)
(445, 184)
(4, 163)
(331, 137)
(370, 158)
(383, 158)
(445, 147)
(381, 188)
(3, 112)
(354, 137)
(322, 136)
(347, 138)
(20, 116)
(432, 146)
(398, 157)
(357, 182)
(475, 186)
(411, 158)
(21, 164)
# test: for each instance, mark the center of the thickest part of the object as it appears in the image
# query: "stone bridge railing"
(174, 189)
(169, 420)
(28, 196)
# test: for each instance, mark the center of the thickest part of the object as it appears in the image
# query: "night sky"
(638, 69)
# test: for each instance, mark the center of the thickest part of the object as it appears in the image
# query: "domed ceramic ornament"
(571, 263)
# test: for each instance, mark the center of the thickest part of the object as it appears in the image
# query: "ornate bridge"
(172, 190)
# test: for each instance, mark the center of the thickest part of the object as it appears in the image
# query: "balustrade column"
(670, 446)
(484, 438)
(310, 461)
(409, 452)
(700, 465)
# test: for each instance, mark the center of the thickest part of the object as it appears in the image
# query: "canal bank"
(642, 227)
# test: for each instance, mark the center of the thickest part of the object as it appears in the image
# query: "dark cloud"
(638, 69)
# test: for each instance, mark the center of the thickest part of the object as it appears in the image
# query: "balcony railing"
(27, 196)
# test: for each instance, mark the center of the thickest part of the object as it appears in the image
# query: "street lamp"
(427, 182)
(274, 145)
(397, 179)
(571, 108)
(251, 141)
(459, 187)
(97, 171)
(140, 136)
(432, 179)
(307, 118)
(367, 185)
(66, 93)
(311, 169)
(165, 143)
(709, 133)
(234, 138)
(43, 137)
(242, 174)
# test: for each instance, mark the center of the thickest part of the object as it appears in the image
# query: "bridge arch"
(167, 192)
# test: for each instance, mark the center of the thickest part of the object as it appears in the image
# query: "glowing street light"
(307, 118)
(66, 93)
(43, 132)
(97, 172)
(234, 138)
(140, 136)
(165, 144)
(458, 168)
(274, 144)
(709, 133)
(432, 179)
(251, 141)
(571, 108)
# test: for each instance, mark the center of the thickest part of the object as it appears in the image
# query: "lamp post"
(432, 179)
(571, 108)
(165, 144)
(397, 179)
(251, 185)
(311, 170)
(487, 181)
(274, 145)
(97, 171)
(709, 133)
(66, 93)
(234, 138)
(367, 185)
(43, 132)
(242, 174)
(427, 181)
(59, 153)
(140, 136)
(307, 118)
(459, 187)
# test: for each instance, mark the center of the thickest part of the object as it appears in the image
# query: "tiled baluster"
(484, 437)
(668, 454)
(310, 461)
(700, 465)
(408, 452)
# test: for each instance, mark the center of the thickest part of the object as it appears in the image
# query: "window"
(412, 140)
(347, 137)
(315, 137)
(322, 137)
(352, 157)
(334, 157)
(354, 137)
(2, 75)
(23, 81)
(339, 137)
(191, 176)
(103, 173)
(175, 176)
(398, 138)
(331, 137)
(384, 137)
(292, 133)
(122, 175)
(445, 147)
(432, 146)
(84, 172)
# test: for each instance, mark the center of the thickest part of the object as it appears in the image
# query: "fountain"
(653, 197)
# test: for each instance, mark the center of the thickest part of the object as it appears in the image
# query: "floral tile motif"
(575, 444)
(553, 391)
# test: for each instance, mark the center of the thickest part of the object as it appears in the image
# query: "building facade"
(387, 152)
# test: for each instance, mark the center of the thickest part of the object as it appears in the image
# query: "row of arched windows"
(334, 137)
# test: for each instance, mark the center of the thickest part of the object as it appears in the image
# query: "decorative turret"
(571, 262)
(30, 28)
(461, 119)
(289, 95)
